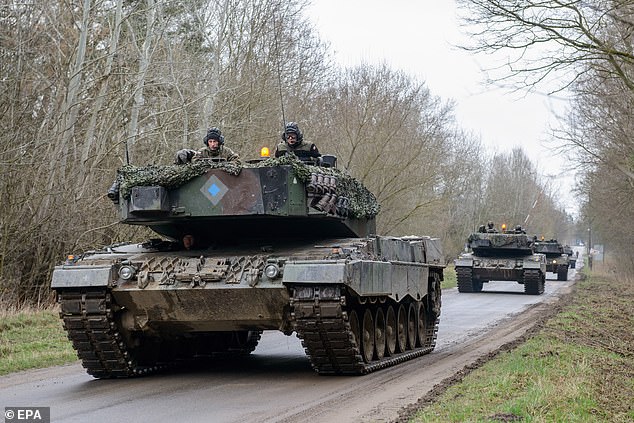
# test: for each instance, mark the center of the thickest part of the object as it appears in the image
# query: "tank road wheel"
(390, 331)
(411, 326)
(562, 273)
(464, 276)
(421, 326)
(368, 336)
(379, 333)
(401, 329)
(353, 320)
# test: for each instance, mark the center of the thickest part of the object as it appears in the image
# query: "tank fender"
(464, 261)
(365, 277)
(532, 264)
(82, 276)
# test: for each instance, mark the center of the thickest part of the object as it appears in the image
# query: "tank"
(557, 261)
(278, 245)
(572, 258)
(500, 256)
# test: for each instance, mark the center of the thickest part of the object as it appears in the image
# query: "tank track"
(88, 320)
(533, 282)
(330, 343)
(464, 276)
(562, 272)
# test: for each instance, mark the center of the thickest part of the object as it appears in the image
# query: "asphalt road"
(276, 382)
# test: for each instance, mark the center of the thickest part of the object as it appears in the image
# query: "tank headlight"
(272, 271)
(554, 261)
(127, 272)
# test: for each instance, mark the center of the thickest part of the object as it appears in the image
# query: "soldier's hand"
(183, 156)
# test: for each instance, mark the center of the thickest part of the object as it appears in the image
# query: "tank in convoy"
(506, 255)
(275, 244)
(557, 261)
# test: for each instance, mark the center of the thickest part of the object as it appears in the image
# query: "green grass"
(449, 276)
(579, 368)
(33, 339)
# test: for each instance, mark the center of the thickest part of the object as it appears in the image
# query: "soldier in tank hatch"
(214, 149)
(293, 142)
(188, 242)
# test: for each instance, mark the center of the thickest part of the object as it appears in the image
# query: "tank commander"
(293, 142)
(490, 227)
(214, 149)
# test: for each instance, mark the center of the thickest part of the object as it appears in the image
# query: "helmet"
(214, 134)
(490, 224)
(293, 128)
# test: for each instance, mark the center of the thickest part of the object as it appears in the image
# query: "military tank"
(500, 256)
(278, 245)
(557, 260)
(572, 258)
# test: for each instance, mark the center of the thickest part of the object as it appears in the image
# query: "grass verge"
(33, 339)
(449, 277)
(578, 368)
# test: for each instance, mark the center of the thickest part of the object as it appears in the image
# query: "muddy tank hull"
(137, 308)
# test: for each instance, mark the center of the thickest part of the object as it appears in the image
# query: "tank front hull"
(204, 309)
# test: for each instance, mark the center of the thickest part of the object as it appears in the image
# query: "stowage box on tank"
(500, 256)
(278, 245)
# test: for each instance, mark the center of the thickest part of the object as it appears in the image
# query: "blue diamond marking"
(213, 190)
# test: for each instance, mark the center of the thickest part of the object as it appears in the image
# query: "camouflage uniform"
(303, 150)
(223, 153)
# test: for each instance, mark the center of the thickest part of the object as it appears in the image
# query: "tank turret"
(222, 201)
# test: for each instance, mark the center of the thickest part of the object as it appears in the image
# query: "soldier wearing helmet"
(491, 227)
(214, 149)
(293, 142)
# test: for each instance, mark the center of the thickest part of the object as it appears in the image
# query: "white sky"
(418, 37)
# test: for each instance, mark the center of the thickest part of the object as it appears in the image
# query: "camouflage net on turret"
(168, 176)
(499, 240)
(363, 203)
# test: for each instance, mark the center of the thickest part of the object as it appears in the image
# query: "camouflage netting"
(168, 176)
(363, 203)
(502, 240)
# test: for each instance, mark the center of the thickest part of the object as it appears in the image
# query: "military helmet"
(293, 128)
(214, 134)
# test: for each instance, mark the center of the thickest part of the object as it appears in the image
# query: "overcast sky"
(419, 37)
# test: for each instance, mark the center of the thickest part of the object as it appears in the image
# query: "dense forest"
(87, 85)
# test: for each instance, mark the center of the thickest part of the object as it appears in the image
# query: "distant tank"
(557, 261)
(500, 256)
(278, 245)
(572, 258)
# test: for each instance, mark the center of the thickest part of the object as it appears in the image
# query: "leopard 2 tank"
(500, 256)
(277, 245)
(557, 261)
